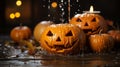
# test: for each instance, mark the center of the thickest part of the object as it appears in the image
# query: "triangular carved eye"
(79, 20)
(69, 34)
(94, 20)
(49, 33)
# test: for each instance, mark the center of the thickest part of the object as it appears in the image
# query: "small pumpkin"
(62, 39)
(115, 34)
(20, 33)
(90, 23)
(39, 28)
(101, 42)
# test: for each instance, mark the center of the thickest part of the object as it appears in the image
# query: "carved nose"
(86, 24)
(58, 39)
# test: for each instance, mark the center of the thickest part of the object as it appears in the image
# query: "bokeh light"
(54, 4)
(18, 3)
(17, 14)
(12, 16)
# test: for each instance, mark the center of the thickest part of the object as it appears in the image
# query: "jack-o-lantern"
(101, 42)
(89, 22)
(20, 33)
(39, 28)
(62, 39)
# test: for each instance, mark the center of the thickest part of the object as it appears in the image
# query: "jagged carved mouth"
(61, 46)
(90, 30)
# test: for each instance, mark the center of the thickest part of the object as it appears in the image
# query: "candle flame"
(91, 9)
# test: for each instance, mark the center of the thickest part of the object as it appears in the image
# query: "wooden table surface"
(111, 59)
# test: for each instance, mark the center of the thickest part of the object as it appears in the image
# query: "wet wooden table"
(111, 59)
(88, 60)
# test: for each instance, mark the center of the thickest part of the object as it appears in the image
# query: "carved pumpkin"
(101, 42)
(89, 22)
(62, 39)
(20, 33)
(39, 28)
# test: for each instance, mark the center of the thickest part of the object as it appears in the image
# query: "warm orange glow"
(12, 16)
(18, 3)
(91, 9)
(54, 4)
(17, 14)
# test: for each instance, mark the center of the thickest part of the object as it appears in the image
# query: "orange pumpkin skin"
(101, 42)
(115, 34)
(39, 28)
(90, 23)
(20, 33)
(63, 39)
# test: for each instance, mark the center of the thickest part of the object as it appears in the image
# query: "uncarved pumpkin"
(20, 33)
(101, 42)
(115, 34)
(63, 39)
(90, 23)
(39, 28)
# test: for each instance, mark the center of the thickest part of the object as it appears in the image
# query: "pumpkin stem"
(20, 25)
(113, 27)
(111, 23)
(117, 26)
(100, 31)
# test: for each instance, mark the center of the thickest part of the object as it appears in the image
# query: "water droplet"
(60, 6)
(48, 7)
(78, 10)
(65, 3)
(43, 5)
(75, 12)
(116, 62)
(61, 0)
(62, 9)
(77, 0)
(48, 15)
(49, 1)
(63, 13)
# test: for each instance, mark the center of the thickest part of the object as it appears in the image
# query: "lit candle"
(91, 10)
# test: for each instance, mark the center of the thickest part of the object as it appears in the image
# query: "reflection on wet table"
(91, 60)
(16, 58)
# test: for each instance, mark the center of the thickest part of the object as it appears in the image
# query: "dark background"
(35, 11)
